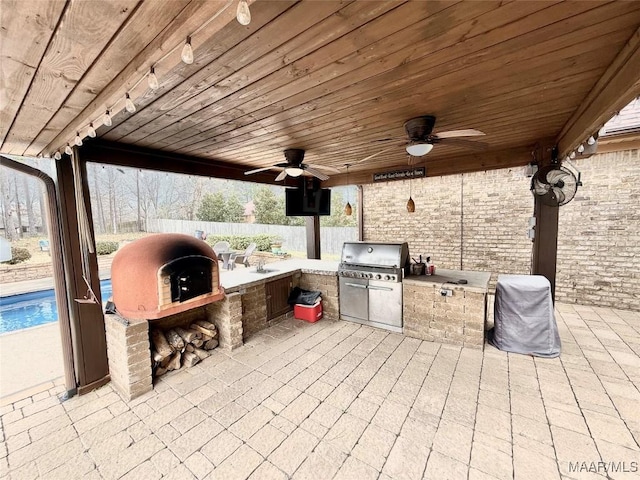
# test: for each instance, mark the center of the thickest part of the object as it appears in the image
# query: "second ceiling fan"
(421, 139)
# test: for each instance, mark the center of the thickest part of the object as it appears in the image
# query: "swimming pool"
(35, 308)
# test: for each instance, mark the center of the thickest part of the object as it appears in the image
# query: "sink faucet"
(260, 267)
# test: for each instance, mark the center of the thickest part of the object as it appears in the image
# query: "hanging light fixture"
(347, 208)
(411, 205)
(128, 104)
(91, 132)
(68, 150)
(106, 119)
(581, 148)
(57, 155)
(243, 15)
(591, 140)
(153, 80)
(78, 139)
(187, 52)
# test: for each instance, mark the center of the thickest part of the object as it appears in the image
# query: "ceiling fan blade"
(377, 153)
(469, 132)
(257, 170)
(319, 175)
(389, 139)
(459, 142)
(281, 176)
(323, 167)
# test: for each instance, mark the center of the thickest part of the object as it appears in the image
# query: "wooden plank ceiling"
(335, 78)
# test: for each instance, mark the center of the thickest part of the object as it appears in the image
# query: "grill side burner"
(370, 279)
(164, 274)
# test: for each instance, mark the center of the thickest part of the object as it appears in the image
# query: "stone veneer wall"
(598, 239)
(129, 355)
(21, 272)
(459, 319)
(254, 308)
(328, 285)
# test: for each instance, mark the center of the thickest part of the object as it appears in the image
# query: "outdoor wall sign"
(404, 174)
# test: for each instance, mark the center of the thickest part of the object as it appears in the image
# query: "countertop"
(476, 281)
(241, 276)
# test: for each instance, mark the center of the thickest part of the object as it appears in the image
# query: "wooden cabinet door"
(277, 293)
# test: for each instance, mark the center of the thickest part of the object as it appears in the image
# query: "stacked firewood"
(182, 347)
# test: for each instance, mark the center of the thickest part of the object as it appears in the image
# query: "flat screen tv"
(300, 202)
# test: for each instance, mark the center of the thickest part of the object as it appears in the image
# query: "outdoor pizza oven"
(164, 274)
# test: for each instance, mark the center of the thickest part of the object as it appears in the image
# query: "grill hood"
(392, 255)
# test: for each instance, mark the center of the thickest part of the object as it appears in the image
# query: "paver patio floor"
(340, 400)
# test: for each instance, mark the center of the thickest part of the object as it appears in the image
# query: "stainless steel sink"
(264, 270)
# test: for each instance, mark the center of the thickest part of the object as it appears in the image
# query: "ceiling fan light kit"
(418, 149)
(294, 171)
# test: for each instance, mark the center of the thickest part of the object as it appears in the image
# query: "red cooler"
(310, 313)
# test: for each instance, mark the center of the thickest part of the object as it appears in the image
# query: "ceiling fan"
(420, 139)
(294, 166)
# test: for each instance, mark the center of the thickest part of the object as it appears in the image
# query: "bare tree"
(29, 200)
(16, 202)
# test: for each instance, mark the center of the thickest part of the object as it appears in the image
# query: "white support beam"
(619, 84)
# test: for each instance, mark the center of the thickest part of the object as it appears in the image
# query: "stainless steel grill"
(370, 277)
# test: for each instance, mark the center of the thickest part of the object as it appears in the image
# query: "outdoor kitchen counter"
(242, 277)
(253, 300)
(459, 318)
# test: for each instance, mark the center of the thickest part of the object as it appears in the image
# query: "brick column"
(129, 355)
(328, 285)
(226, 315)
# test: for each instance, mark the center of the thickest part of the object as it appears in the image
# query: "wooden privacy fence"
(293, 238)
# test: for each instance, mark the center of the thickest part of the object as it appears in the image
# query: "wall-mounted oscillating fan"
(556, 185)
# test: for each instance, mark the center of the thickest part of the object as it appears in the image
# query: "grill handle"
(356, 285)
(387, 289)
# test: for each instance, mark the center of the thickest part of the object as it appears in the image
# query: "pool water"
(35, 308)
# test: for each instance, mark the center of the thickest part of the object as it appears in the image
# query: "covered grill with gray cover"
(524, 319)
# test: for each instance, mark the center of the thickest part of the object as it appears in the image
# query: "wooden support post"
(313, 237)
(88, 329)
(545, 243)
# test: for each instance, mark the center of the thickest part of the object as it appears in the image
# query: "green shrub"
(105, 248)
(18, 255)
(241, 242)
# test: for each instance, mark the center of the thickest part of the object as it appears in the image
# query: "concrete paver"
(340, 400)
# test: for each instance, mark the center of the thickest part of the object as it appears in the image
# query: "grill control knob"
(387, 277)
(378, 277)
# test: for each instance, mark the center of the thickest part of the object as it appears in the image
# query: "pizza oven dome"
(164, 274)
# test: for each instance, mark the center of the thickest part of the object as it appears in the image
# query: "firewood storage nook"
(162, 285)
